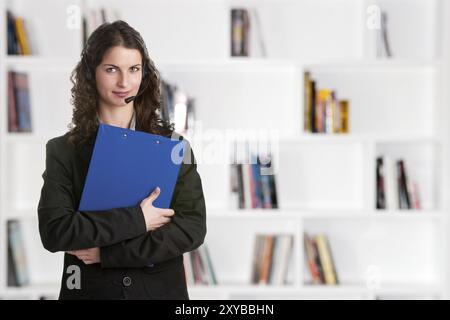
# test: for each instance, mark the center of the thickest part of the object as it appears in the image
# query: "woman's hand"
(89, 256)
(155, 217)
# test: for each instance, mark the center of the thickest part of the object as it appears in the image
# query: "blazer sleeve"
(62, 227)
(185, 232)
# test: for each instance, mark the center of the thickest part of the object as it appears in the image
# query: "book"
(282, 250)
(311, 259)
(307, 102)
(383, 43)
(18, 41)
(13, 124)
(253, 185)
(240, 27)
(13, 47)
(22, 102)
(391, 183)
(326, 260)
(199, 268)
(380, 192)
(323, 111)
(271, 257)
(16, 249)
(319, 259)
(403, 192)
(177, 107)
(266, 261)
(345, 118)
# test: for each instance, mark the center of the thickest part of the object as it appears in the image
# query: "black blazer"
(135, 264)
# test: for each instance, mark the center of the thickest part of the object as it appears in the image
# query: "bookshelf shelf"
(358, 138)
(326, 183)
(41, 63)
(246, 63)
(233, 64)
(398, 289)
(36, 292)
(299, 214)
(35, 289)
(321, 138)
(22, 214)
(373, 64)
(28, 137)
(355, 291)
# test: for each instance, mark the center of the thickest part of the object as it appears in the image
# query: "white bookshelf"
(326, 183)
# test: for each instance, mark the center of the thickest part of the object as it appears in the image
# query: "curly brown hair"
(84, 91)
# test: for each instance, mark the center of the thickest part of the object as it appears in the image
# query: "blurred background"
(320, 128)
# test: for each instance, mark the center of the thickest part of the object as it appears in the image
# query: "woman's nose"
(123, 80)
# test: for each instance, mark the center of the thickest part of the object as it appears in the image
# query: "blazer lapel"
(85, 150)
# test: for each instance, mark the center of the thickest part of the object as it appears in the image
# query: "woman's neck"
(118, 117)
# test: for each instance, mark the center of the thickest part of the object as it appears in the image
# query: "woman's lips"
(121, 94)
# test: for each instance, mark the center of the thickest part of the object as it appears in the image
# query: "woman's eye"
(110, 70)
(134, 69)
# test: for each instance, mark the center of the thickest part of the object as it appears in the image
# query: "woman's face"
(118, 76)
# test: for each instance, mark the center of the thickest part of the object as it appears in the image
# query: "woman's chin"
(119, 103)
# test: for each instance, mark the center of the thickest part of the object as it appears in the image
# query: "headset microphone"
(129, 99)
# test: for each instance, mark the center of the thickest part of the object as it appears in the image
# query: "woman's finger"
(155, 194)
(167, 212)
(164, 220)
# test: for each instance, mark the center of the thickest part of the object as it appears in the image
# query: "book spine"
(266, 260)
(380, 191)
(326, 260)
(311, 259)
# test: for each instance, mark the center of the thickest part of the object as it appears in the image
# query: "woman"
(123, 253)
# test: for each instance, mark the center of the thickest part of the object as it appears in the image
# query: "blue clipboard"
(127, 165)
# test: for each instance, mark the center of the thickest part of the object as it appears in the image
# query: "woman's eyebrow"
(108, 64)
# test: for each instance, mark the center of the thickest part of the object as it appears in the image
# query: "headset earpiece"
(84, 61)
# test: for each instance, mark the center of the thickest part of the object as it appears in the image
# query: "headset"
(146, 70)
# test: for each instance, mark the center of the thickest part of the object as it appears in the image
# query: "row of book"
(19, 109)
(198, 267)
(246, 28)
(252, 186)
(177, 107)
(18, 274)
(271, 258)
(18, 35)
(319, 259)
(20, 40)
(394, 189)
(323, 111)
